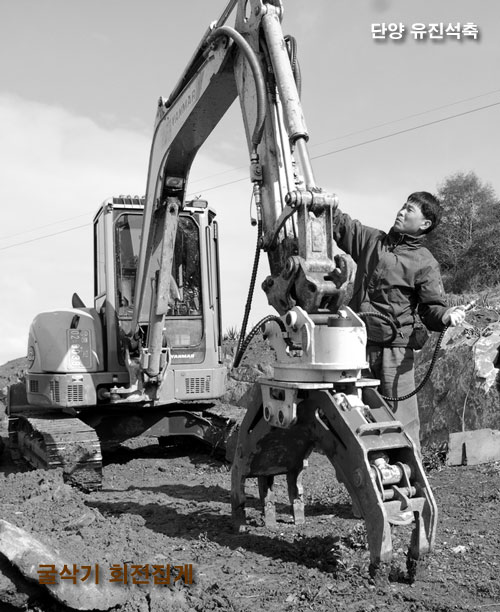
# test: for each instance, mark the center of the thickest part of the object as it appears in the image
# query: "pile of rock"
(463, 391)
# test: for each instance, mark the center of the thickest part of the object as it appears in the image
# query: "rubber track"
(57, 441)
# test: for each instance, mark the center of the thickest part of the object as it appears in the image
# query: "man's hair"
(430, 207)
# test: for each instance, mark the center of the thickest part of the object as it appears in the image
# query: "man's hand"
(454, 316)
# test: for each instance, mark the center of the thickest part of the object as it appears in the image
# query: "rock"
(235, 390)
(459, 550)
(462, 392)
(28, 554)
(12, 593)
(474, 447)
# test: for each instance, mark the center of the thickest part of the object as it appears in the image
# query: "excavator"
(85, 387)
(146, 355)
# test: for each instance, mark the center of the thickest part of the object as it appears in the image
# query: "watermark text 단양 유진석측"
(422, 31)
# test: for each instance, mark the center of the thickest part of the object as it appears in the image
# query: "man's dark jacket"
(396, 276)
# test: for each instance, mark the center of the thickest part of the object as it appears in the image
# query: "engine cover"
(66, 341)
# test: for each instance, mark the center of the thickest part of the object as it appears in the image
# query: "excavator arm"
(250, 61)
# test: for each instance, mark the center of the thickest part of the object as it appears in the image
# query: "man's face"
(410, 220)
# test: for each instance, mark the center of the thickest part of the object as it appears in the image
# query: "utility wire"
(368, 129)
(365, 142)
(360, 144)
(45, 236)
(35, 229)
(430, 110)
(416, 127)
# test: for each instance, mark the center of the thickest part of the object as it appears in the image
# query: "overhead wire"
(368, 129)
(368, 141)
(333, 152)
(386, 123)
(35, 229)
(365, 142)
(43, 237)
(416, 127)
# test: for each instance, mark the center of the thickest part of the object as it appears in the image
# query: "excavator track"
(57, 441)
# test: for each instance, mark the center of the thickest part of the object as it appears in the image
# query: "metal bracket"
(280, 405)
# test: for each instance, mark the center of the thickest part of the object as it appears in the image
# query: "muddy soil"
(171, 505)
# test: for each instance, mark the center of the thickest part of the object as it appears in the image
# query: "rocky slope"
(463, 391)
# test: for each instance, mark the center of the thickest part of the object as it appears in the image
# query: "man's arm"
(351, 235)
(432, 306)
(431, 297)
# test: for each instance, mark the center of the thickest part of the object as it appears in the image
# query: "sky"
(78, 93)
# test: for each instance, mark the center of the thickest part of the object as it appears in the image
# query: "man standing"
(397, 277)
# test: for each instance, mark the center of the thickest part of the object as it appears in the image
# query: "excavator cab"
(192, 324)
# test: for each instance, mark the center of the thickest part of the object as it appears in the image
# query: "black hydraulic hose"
(252, 334)
(242, 348)
(383, 317)
(248, 305)
(388, 320)
(260, 84)
(427, 374)
(243, 345)
(291, 45)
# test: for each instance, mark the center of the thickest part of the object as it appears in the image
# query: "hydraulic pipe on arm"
(290, 99)
(296, 214)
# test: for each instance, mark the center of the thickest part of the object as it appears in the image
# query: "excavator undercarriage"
(50, 439)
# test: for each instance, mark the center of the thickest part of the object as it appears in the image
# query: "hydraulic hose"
(402, 398)
(243, 345)
(260, 84)
(252, 334)
(432, 363)
(248, 305)
(291, 45)
(394, 329)
(427, 374)
(383, 317)
(292, 54)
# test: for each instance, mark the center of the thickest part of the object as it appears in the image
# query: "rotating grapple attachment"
(345, 417)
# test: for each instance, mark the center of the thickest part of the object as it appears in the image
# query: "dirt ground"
(171, 505)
